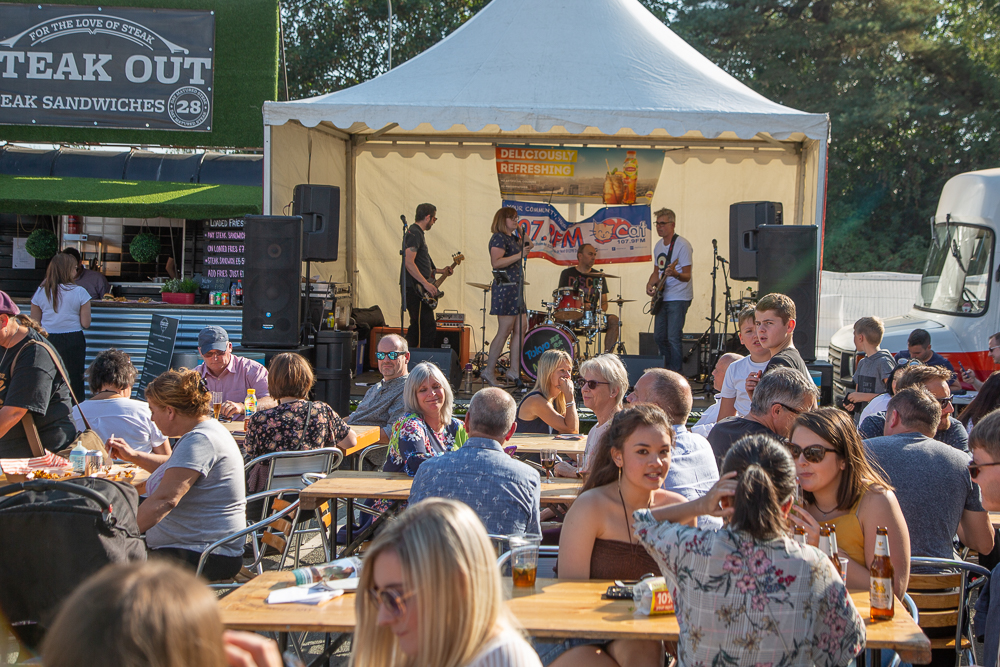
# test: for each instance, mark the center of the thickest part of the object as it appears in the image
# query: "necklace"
(820, 510)
(628, 524)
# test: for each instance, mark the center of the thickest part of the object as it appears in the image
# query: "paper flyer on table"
(312, 593)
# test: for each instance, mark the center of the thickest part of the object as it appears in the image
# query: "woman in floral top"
(285, 428)
(749, 595)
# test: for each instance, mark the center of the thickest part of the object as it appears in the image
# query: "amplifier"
(452, 336)
(450, 318)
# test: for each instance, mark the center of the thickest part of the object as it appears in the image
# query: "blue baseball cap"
(213, 338)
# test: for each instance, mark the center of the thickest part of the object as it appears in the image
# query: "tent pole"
(352, 226)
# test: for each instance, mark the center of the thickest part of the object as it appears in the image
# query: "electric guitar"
(432, 301)
(656, 304)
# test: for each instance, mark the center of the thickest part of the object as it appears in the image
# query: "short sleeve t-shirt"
(587, 285)
(675, 290)
(870, 375)
(415, 240)
(215, 506)
(37, 386)
(67, 318)
(94, 282)
(789, 358)
(734, 384)
(123, 418)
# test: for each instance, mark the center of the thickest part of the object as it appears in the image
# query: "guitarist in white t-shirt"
(670, 287)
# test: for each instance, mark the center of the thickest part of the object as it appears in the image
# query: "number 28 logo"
(188, 107)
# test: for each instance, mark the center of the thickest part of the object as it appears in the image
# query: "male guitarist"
(420, 270)
(671, 288)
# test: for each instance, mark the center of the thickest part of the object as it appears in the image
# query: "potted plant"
(42, 244)
(179, 290)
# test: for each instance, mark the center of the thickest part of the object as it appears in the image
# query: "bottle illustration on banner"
(631, 170)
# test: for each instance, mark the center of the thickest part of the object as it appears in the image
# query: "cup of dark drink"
(523, 559)
(548, 459)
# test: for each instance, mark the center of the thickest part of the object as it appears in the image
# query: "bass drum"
(546, 337)
(536, 318)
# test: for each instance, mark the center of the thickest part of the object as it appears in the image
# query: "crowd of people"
(711, 508)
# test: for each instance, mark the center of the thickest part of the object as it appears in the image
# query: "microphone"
(715, 245)
(723, 260)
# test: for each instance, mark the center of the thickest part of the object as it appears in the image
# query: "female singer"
(506, 252)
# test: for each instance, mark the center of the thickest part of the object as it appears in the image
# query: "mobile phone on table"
(618, 593)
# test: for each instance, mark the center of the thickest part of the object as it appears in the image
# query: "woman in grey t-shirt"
(197, 494)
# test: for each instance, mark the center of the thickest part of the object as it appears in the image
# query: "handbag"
(88, 437)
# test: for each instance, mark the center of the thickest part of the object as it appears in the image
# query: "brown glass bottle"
(882, 579)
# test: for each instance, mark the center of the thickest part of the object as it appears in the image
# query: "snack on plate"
(652, 597)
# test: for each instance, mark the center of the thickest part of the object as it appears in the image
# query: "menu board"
(159, 349)
(223, 259)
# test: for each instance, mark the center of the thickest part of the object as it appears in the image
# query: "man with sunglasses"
(231, 374)
(780, 396)
(993, 345)
(382, 404)
(985, 470)
(934, 379)
(931, 479)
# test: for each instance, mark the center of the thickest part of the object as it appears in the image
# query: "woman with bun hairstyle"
(197, 494)
(749, 594)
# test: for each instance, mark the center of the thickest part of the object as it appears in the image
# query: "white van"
(959, 300)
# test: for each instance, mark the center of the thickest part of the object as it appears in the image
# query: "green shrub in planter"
(144, 247)
(179, 286)
(42, 244)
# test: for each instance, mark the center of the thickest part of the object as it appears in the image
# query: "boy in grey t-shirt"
(872, 371)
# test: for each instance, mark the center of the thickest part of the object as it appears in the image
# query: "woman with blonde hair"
(840, 486)
(550, 405)
(428, 428)
(430, 594)
(197, 494)
(506, 253)
(149, 615)
(63, 309)
(603, 385)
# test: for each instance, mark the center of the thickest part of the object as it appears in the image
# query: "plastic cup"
(843, 560)
(523, 559)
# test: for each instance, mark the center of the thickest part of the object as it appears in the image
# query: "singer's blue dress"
(505, 296)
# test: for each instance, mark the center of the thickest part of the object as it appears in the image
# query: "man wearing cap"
(232, 375)
(35, 386)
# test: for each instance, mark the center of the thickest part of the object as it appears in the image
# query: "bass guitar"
(425, 296)
(656, 303)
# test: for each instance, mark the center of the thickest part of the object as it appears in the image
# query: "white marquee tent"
(543, 72)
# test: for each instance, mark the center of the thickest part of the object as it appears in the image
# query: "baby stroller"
(55, 535)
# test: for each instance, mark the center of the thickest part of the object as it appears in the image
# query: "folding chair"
(943, 598)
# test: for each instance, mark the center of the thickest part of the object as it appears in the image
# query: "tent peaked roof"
(574, 64)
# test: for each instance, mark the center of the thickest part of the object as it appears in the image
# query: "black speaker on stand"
(319, 206)
(745, 220)
(272, 316)
(788, 265)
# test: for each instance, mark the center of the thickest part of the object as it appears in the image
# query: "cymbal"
(481, 286)
(619, 302)
(601, 274)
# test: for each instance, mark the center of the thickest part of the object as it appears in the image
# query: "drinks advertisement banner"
(610, 176)
(117, 67)
(619, 233)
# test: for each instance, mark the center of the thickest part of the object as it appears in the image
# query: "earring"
(619, 474)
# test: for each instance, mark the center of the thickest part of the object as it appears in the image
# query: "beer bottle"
(834, 552)
(828, 545)
(882, 578)
(800, 534)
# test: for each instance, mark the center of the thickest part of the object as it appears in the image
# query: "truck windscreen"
(957, 276)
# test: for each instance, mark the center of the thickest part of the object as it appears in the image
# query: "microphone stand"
(402, 277)
(515, 364)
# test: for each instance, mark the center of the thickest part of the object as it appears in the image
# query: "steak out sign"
(113, 67)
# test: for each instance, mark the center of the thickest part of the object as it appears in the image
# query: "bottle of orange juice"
(631, 170)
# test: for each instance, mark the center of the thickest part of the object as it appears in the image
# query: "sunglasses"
(974, 468)
(214, 354)
(794, 411)
(589, 384)
(393, 600)
(392, 355)
(813, 453)
(945, 401)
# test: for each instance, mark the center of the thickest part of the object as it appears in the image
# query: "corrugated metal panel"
(127, 328)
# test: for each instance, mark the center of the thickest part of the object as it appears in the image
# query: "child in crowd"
(775, 319)
(873, 370)
(735, 401)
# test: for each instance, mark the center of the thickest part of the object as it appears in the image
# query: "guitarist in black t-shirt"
(420, 270)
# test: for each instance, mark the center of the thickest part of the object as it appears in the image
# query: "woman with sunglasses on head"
(748, 594)
(603, 385)
(197, 494)
(598, 539)
(506, 252)
(430, 595)
(550, 406)
(841, 487)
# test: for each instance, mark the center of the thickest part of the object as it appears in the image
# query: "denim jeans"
(668, 329)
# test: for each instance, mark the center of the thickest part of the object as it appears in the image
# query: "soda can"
(211, 298)
(225, 298)
(215, 298)
(93, 463)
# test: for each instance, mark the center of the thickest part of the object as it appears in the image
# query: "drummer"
(585, 279)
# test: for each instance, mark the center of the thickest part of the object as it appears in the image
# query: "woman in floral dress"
(748, 594)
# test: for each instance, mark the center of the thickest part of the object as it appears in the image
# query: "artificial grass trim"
(126, 199)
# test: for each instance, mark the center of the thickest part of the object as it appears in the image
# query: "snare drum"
(546, 337)
(569, 304)
(591, 320)
(536, 318)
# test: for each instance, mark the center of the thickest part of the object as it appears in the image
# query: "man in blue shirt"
(918, 346)
(504, 492)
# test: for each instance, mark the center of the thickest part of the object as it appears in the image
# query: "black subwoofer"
(787, 264)
(272, 315)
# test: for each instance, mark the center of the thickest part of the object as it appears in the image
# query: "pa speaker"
(745, 218)
(319, 206)
(636, 365)
(788, 266)
(271, 306)
(647, 344)
(444, 358)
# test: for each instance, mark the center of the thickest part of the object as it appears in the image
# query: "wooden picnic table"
(533, 443)
(367, 435)
(553, 609)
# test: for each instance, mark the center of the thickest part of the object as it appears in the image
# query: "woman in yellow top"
(840, 487)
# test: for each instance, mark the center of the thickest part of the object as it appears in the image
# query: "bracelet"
(571, 404)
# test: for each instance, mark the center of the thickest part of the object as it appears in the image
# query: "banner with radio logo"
(114, 67)
(620, 234)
